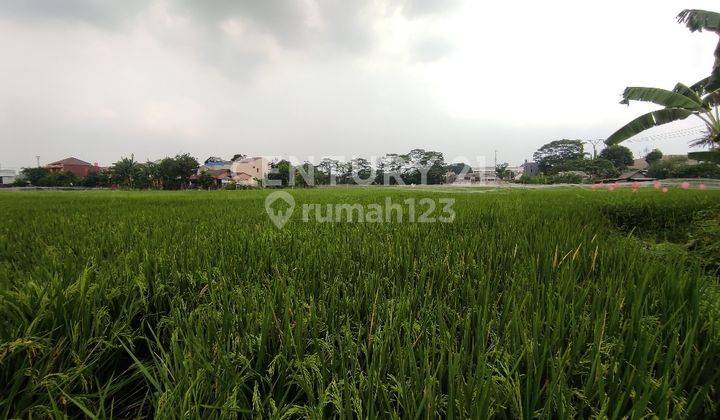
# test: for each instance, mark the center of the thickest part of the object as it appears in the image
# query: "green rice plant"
(193, 304)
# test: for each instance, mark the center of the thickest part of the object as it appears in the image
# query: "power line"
(696, 131)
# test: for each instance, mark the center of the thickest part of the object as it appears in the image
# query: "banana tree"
(702, 20)
(680, 103)
(700, 100)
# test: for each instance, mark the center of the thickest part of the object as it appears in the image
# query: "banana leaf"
(649, 120)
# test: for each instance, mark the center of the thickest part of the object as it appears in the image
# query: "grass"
(192, 304)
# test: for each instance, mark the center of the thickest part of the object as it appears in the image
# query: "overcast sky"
(101, 79)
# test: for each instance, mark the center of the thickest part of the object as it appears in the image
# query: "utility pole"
(496, 158)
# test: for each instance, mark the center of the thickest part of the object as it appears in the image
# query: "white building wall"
(257, 167)
(7, 176)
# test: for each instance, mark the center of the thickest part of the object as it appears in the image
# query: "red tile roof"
(70, 161)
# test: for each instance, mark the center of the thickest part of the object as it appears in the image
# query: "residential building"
(530, 169)
(73, 165)
(222, 177)
(486, 174)
(250, 171)
(7, 176)
(215, 163)
(641, 164)
(245, 180)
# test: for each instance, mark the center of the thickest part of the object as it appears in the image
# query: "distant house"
(632, 175)
(215, 163)
(73, 165)
(7, 176)
(485, 174)
(244, 179)
(257, 168)
(222, 177)
(641, 164)
(530, 168)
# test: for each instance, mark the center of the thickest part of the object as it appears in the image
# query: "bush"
(231, 186)
(678, 168)
(533, 180)
(601, 169)
(701, 170)
(59, 179)
(571, 177)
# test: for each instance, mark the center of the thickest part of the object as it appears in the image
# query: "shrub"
(678, 168)
(533, 180)
(569, 177)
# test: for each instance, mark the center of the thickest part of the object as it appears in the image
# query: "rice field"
(193, 304)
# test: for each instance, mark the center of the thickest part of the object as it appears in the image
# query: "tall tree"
(34, 175)
(124, 172)
(620, 156)
(653, 156)
(558, 155)
(329, 167)
(186, 167)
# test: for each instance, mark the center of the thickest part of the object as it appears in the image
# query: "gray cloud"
(96, 12)
(284, 19)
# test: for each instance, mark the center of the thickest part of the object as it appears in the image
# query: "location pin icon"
(279, 217)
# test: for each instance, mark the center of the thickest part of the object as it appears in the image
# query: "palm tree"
(124, 171)
(700, 100)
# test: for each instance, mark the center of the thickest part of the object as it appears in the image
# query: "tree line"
(418, 166)
(172, 173)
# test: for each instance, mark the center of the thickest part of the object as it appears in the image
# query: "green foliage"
(458, 168)
(569, 177)
(555, 156)
(601, 169)
(678, 167)
(699, 20)
(654, 156)
(124, 172)
(706, 156)
(280, 172)
(649, 120)
(620, 156)
(205, 180)
(704, 240)
(96, 179)
(533, 180)
(34, 175)
(682, 101)
(174, 173)
(238, 156)
(167, 305)
(59, 179)
(502, 171)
